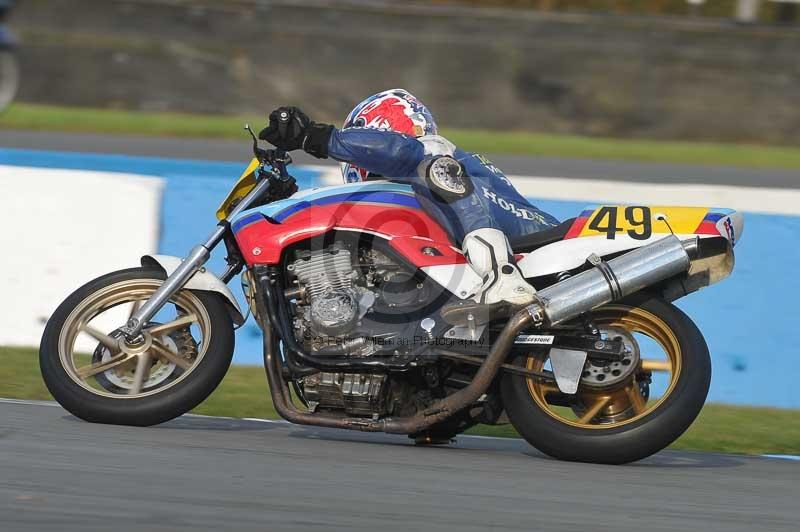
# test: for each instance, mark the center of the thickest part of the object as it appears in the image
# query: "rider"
(392, 135)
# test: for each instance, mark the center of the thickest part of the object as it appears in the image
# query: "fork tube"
(198, 256)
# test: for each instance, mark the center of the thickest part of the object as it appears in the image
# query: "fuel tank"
(380, 208)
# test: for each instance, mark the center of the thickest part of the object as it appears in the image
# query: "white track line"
(259, 420)
(782, 457)
(29, 402)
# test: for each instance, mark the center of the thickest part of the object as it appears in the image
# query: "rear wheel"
(180, 359)
(625, 411)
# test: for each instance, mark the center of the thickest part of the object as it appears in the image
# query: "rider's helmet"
(394, 110)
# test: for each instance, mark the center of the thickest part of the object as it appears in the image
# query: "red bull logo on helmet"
(393, 114)
(395, 110)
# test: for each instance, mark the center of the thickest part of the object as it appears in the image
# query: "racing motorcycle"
(368, 322)
(9, 69)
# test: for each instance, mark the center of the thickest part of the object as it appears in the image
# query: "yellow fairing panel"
(242, 187)
(638, 221)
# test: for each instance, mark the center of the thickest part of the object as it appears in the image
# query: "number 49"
(639, 220)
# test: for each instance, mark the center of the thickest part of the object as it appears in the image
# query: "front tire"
(102, 382)
(597, 425)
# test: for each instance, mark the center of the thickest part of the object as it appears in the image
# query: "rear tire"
(159, 406)
(633, 439)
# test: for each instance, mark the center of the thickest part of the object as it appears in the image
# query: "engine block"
(348, 302)
(356, 393)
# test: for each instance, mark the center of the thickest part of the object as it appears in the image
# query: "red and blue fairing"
(387, 210)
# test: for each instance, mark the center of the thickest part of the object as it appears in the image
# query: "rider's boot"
(504, 289)
(489, 254)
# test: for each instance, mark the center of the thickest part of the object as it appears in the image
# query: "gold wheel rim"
(156, 352)
(625, 399)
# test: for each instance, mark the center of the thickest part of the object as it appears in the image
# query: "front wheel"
(182, 356)
(626, 410)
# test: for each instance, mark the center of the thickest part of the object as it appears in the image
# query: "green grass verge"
(51, 118)
(243, 393)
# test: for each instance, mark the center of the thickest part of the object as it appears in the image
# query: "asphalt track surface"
(229, 150)
(200, 473)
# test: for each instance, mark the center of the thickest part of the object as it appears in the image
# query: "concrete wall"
(72, 234)
(643, 77)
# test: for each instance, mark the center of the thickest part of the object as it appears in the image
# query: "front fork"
(197, 257)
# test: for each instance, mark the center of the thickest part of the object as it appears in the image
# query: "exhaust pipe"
(612, 280)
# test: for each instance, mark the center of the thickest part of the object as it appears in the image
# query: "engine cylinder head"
(323, 270)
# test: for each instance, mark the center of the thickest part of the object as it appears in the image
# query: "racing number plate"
(638, 222)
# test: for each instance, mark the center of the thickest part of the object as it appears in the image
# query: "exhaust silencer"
(612, 280)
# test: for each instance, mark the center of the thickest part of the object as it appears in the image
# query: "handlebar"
(278, 160)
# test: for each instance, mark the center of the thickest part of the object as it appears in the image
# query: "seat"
(534, 241)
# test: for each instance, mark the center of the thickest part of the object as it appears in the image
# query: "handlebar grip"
(283, 122)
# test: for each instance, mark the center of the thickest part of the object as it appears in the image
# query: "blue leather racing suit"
(493, 203)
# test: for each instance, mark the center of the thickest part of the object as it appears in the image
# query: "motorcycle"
(9, 69)
(368, 323)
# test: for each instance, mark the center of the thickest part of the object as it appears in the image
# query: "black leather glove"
(290, 129)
